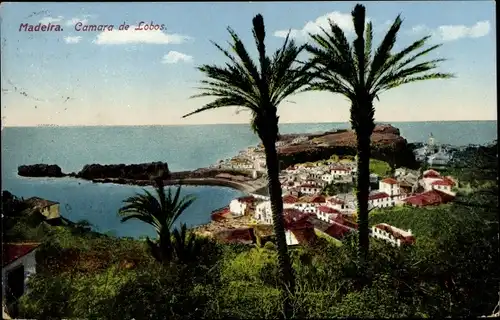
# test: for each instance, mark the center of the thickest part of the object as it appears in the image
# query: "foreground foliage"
(450, 271)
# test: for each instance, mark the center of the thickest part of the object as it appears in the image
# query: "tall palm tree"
(361, 75)
(161, 212)
(259, 87)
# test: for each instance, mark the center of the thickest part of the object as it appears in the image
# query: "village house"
(340, 228)
(429, 198)
(327, 214)
(389, 186)
(241, 206)
(304, 204)
(18, 264)
(444, 185)
(432, 180)
(49, 209)
(310, 189)
(335, 203)
(263, 212)
(338, 171)
(300, 233)
(380, 200)
(393, 235)
(289, 201)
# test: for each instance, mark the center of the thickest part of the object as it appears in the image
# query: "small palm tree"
(185, 245)
(361, 75)
(260, 87)
(161, 212)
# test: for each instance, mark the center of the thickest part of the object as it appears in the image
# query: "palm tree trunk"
(362, 191)
(275, 193)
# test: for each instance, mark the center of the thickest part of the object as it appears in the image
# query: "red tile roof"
(293, 215)
(318, 199)
(431, 174)
(338, 231)
(305, 235)
(390, 181)
(378, 195)
(13, 251)
(247, 199)
(433, 197)
(335, 201)
(326, 209)
(442, 183)
(341, 220)
(290, 199)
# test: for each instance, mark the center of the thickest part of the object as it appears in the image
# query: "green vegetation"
(361, 73)
(108, 278)
(379, 167)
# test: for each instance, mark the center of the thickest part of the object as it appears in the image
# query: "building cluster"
(434, 154)
(302, 187)
(254, 158)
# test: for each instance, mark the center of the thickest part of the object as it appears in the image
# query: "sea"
(183, 147)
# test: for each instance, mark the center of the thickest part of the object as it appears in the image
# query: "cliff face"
(387, 145)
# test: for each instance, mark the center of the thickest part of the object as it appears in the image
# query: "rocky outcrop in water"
(40, 170)
(141, 171)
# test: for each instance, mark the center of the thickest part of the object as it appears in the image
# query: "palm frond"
(259, 34)
(358, 19)
(394, 62)
(383, 52)
(401, 81)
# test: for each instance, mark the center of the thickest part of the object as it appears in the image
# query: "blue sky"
(147, 77)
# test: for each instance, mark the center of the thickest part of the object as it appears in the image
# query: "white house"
(340, 171)
(393, 235)
(440, 158)
(263, 212)
(310, 189)
(389, 186)
(241, 206)
(380, 200)
(428, 178)
(443, 185)
(327, 214)
(327, 177)
(18, 265)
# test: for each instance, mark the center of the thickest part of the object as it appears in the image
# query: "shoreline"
(245, 187)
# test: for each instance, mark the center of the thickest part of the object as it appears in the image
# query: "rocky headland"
(387, 145)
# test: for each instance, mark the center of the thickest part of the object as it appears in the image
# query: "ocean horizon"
(183, 147)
